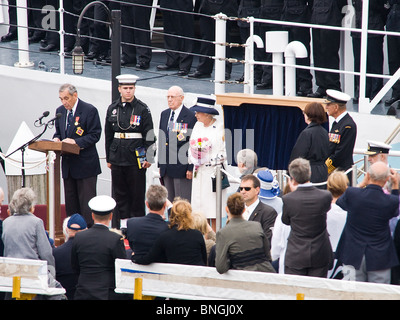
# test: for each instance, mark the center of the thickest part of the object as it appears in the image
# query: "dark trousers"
(394, 61)
(78, 193)
(207, 48)
(303, 76)
(129, 189)
(374, 65)
(321, 272)
(326, 45)
(135, 41)
(179, 24)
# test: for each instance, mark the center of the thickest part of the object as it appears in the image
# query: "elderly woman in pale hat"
(207, 143)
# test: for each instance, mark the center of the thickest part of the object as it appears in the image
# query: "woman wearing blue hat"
(207, 143)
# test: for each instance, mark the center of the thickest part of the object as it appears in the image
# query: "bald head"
(379, 173)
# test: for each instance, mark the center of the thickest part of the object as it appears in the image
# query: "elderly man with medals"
(128, 121)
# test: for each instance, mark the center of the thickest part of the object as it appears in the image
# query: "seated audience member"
(269, 190)
(94, 252)
(24, 235)
(142, 232)
(246, 160)
(241, 244)
(336, 218)
(309, 250)
(366, 243)
(255, 209)
(180, 243)
(200, 223)
(62, 254)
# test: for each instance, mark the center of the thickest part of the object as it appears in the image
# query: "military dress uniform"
(342, 137)
(126, 128)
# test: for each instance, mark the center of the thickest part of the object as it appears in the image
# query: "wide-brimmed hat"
(269, 186)
(205, 105)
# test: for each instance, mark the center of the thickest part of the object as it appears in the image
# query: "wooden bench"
(25, 278)
(196, 282)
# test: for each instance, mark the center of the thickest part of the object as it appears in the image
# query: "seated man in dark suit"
(143, 231)
(62, 255)
(255, 209)
(366, 243)
(309, 250)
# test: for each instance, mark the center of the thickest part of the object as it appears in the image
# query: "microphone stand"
(23, 148)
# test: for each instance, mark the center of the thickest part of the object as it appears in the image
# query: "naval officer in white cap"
(127, 124)
(94, 252)
(343, 132)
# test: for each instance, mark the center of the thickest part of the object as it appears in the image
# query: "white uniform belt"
(128, 135)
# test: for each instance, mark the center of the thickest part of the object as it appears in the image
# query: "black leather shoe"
(126, 63)
(304, 92)
(91, 55)
(263, 86)
(35, 39)
(142, 65)
(164, 67)
(317, 94)
(183, 73)
(199, 75)
(390, 101)
(48, 48)
(9, 37)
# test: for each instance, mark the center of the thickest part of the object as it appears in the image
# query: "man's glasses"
(245, 188)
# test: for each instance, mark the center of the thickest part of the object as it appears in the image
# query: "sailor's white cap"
(102, 205)
(335, 96)
(376, 147)
(127, 79)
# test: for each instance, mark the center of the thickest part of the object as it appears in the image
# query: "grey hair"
(300, 170)
(67, 86)
(23, 201)
(178, 90)
(378, 174)
(248, 157)
(156, 197)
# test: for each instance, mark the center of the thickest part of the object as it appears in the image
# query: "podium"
(53, 202)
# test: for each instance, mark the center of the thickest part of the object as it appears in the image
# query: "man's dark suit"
(172, 158)
(93, 257)
(367, 231)
(265, 215)
(142, 232)
(80, 171)
(64, 273)
(309, 250)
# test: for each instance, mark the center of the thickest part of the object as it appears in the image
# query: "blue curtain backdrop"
(276, 129)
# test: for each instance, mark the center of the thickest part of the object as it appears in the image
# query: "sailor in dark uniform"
(94, 252)
(326, 44)
(343, 132)
(127, 124)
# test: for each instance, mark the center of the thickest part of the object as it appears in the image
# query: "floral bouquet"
(200, 150)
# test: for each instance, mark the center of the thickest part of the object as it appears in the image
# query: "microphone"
(58, 116)
(45, 114)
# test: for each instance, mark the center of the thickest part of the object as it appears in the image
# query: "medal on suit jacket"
(79, 131)
(180, 127)
(76, 121)
(334, 137)
(135, 120)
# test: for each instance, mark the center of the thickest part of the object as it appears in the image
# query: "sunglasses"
(245, 188)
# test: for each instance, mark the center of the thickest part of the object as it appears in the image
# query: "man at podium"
(79, 124)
